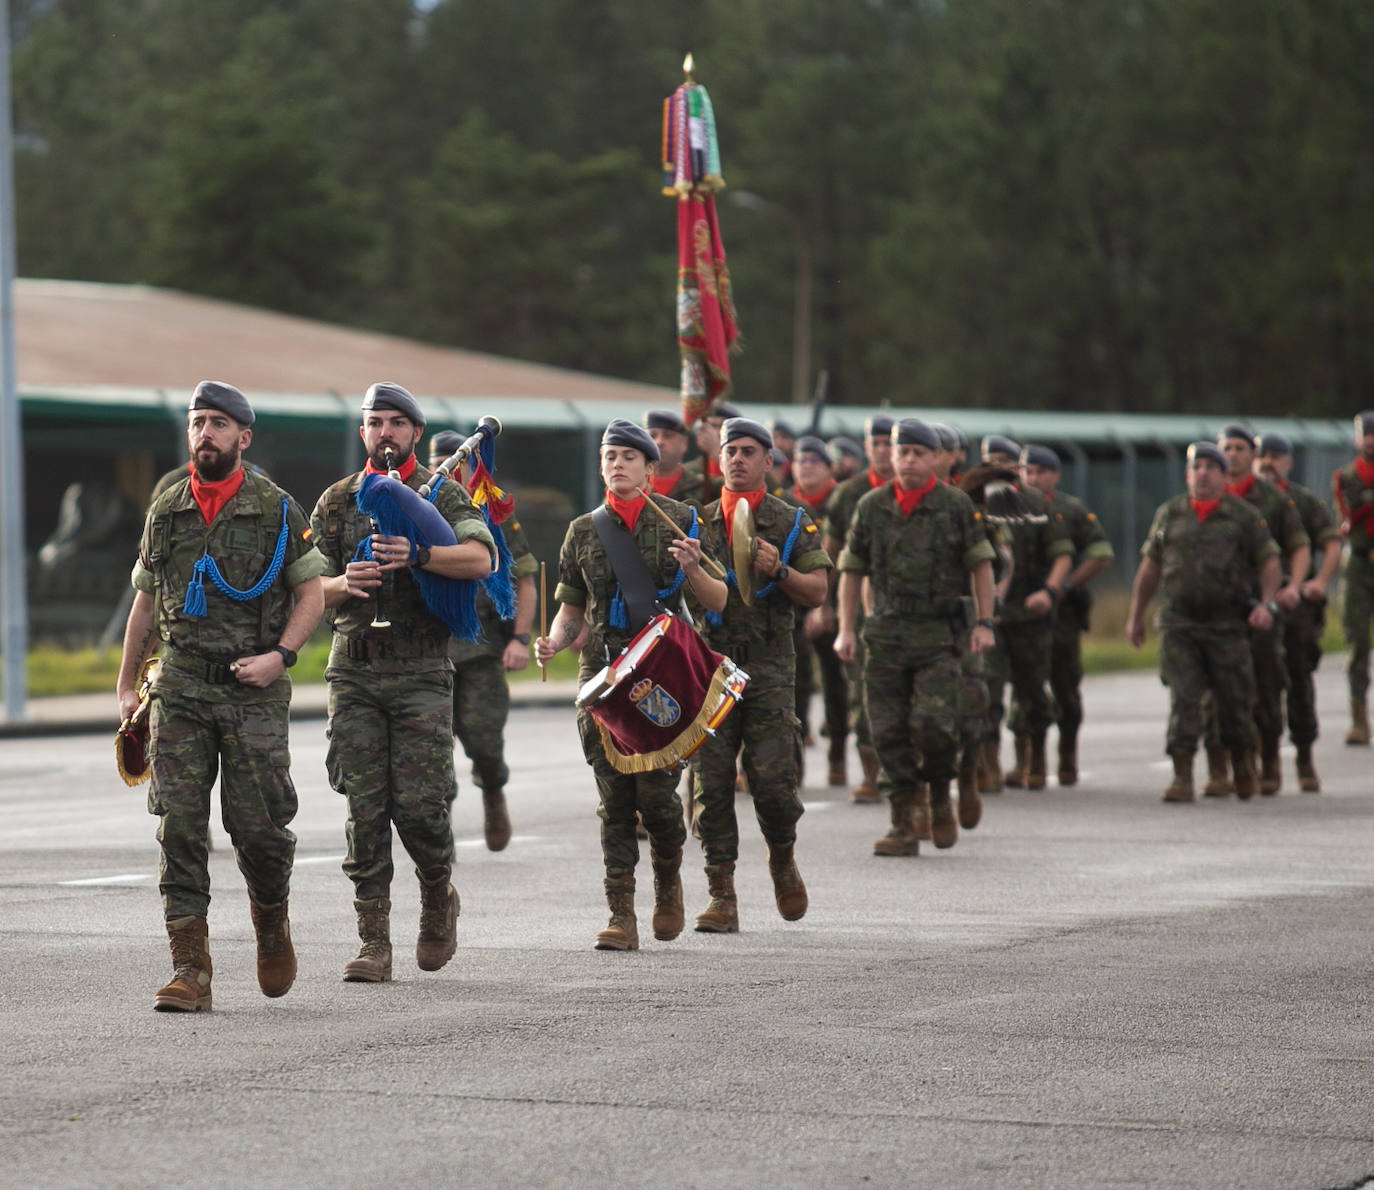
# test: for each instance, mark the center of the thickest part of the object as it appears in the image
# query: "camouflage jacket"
(586, 580)
(415, 632)
(1209, 570)
(1035, 544)
(1353, 500)
(1316, 518)
(843, 501)
(759, 635)
(918, 565)
(242, 541)
(496, 632)
(1280, 514)
(1089, 541)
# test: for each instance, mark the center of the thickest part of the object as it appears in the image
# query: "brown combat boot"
(1181, 787)
(990, 767)
(189, 989)
(438, 937)
(902, 838)
(867, 790)
(495, 819)
(722, 914)
(622, 931)
(1271, 774)
(276, 956)
(1016, 775)
(1308, 781)
(1243, 766)
(788, 890)
(1068, 759)
(668, 913)
(1035, 762)
(943, 830)
(1358, 735)
(920, 811)
(373, 964)
(970, 804)
(1218, 773)
(838, 774)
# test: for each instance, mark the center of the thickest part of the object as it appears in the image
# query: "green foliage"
(1075, 204)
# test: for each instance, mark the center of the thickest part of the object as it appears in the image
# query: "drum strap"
(636, 584)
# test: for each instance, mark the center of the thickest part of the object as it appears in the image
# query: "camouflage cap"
(216, 394)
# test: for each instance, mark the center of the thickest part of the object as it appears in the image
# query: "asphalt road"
(1092, 989)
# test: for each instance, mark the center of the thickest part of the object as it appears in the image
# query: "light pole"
(801, 309)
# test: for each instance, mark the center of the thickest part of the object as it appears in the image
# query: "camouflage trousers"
(973, 703)
(834, 685)
(1026, 650)
(858, 704)
(653, 796)
(481, 705)
(1202, 659)
(1066, 676)
(391, 755)
(1302, 653)
(763, 732)
(1355, 621)
(1270, 680)
(194, 736)
(916, 700)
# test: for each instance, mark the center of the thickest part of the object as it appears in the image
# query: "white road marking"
(125, 878)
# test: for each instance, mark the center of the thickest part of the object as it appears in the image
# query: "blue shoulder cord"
(767, 589)
(617, 617)
(194, 603)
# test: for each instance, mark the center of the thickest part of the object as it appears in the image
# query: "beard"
(219, 466)
(399, 454)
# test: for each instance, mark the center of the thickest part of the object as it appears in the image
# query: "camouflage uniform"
(1354, 500)
(834, 683)
(1266, 648)
(586, 580)
(1071, 617)
(390, 699)
(919, 568)
(697, 487)
(1025, 638)
(201, 717)
(1208, 573)
(763, 726)
(481, 695)
(1305, 625)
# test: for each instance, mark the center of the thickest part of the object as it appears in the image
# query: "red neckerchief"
(1281, 484)
(1204, 508)
(909, 498)
(713, 468)
(1364, 468)
(627, 510)
(729, 499)
(405, 470)
(663, 484)
(1242, 487)
(874, 479)
(213, 494)
(814, 499)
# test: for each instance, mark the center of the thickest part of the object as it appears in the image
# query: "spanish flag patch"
(307, 534)
(810, 528)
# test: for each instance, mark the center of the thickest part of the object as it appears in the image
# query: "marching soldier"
(843, 501)
(788, 567)
(481, 692)
(594, 616)
(221, 698)
(922, 547)
(1353, 488)
(1305, 624)
(391, 686)
(1266, 647)
(670, 476)
(1208, 552)
(705, 469)
(847, 457)
(1092, 554)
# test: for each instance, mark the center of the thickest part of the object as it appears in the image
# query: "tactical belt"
(737, 653)
(358, 648)
(920, 608)
(217, 673)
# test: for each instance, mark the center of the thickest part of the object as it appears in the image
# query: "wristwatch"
(288, 656)
(522, 637)
(1272, 607)
(986, 622)
(421, 556)
(782, 573)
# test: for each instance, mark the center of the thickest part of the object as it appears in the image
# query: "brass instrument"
(743, 547)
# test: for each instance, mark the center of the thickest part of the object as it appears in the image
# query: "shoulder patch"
(810, 528)
(307, 534)
(515, 524)
(1092, 516)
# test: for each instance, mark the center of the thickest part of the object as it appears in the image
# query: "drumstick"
(711, 566)
(543, 622)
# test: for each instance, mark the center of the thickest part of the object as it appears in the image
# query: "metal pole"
(15, 614)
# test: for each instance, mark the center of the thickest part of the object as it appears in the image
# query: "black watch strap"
(421, 556)
(288, 656)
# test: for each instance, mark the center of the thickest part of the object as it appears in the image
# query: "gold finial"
(688, 66)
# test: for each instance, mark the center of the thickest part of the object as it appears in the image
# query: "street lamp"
(801, 312)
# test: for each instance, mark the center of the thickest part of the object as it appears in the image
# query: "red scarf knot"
(1241, 487)
(729, 499)
(909, 498)
(627, 510)
(663, 484)
(211, 495)
(1204, 508)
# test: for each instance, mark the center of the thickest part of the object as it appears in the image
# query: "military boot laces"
(721, 916)
(373, 964)
(622, 931)
(438, 937)
(189, 988)
(276, 956)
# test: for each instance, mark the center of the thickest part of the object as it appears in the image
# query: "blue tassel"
(194, 604)
(454, 602)
(498, 585)
(617, 616)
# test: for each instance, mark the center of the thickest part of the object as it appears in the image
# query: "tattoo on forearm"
(570, 632)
